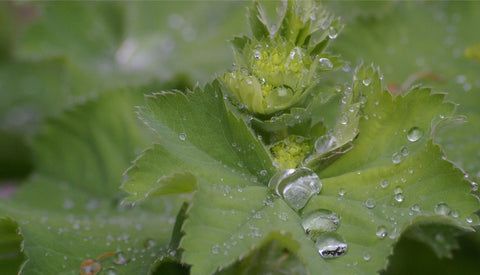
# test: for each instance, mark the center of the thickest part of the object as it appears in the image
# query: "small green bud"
(290, 152)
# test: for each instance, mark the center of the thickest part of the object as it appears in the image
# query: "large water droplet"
(120, 258)
(370, 203)
(319, 221)
(296, 186)
(331, 245)
(396, 158)
(442, 209)
(332, 32)
(325, 63)
(366, 81)
(381, 232)
(90, 267)
(384, 183)
(414, 134)
(325, 144)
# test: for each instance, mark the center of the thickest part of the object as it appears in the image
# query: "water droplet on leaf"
(384, 183)
(296, 186)
(182, 136)
(370, 203)
(90, 267)
(442, 209)
(396, 158)
(331, 245)
(120, 258)
(366, 81)
(325, 63)
(320, 221)
(325, 144)
(414, 134)
(381, 232)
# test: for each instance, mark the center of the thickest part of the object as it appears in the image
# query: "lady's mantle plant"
(273, 156)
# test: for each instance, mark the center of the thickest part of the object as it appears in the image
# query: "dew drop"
(415, 208)
(474, 186)
(442, 209)
(341, 192)
(366, 81)
(120, 258)
(381, 232)
(331, 245)
(325, 64)
(469, 220)
(182, 136)
(384, 183)
(332, 33)
(396, 158)
(325, 144)
(320, 221)
(414, 134)
(366, 257)
(90, 267)
(370, 203)
(296, 186)
(404, 151)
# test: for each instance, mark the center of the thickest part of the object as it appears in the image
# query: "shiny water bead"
(381, 232)
(442, 209)
(325, 144)
(414, 134)
(296, 186)
(325, 64)
(90, 267)
(319, 221)
(331, 245)
(370, 203)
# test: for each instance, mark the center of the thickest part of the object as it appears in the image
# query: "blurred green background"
(56, 54)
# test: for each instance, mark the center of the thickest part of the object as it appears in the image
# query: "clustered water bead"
(331, 245)
(296, 186)
(414, 134)
(320, 221)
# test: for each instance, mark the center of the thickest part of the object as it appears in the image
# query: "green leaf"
(228, 218)
(199, 135)
(11, 256)
(74, 197)
(436, 58)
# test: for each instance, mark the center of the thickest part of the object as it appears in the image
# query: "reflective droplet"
(120, 258)
(381, 232)
(296, 186)
(341, 192)
(399, 197)
(332, 33)
(396, 158)
(370, 203)
(366, 81)
(325, 64)
(344, 120)
(366, 257)
(384, 183)
(90, 267)
(404, 151)
(182, 136)
(469, 220)
(331, 245)
(415, 208)
(398, 194)
(325, 144)
(442, 209)
(474, 186)
(320, 221)
(414, 134)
